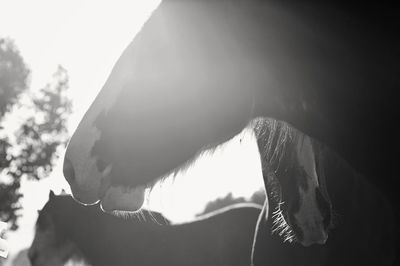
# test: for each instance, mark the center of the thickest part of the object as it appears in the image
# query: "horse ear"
(51, 194)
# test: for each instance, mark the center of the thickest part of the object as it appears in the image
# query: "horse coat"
(199, 71)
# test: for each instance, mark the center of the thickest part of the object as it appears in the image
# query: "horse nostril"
(68, 170)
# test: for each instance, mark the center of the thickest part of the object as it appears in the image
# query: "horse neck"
(102, 238)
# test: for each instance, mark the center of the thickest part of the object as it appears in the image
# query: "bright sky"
(86, 38)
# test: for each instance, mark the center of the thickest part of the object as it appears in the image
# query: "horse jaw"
(123, 199)
(87, 182)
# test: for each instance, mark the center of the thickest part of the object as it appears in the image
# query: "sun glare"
(86, 38)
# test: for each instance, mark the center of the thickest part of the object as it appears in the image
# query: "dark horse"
(364, 231)
(67, 230)
(200, 71)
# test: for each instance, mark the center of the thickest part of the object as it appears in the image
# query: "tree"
(258, 197)
(221, 203)
(31, 150)
(13, 75)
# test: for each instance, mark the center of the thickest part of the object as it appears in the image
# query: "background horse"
(199, 71)
(66, 229)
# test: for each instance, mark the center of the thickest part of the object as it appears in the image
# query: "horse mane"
(275, 139)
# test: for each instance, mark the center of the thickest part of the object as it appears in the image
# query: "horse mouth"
(121, 198)
(84, 196)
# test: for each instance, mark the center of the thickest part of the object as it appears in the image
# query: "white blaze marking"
(80, 147)
(88, 178)
(306, 158)
(309, 217)
(106, 172)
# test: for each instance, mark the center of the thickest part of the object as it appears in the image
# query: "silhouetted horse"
(66, 229)
(200, 71)
(364, 231)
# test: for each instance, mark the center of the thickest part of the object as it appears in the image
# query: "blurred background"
(48, 49)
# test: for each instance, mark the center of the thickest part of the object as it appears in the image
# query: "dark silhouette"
(364, 231)
(199, 71)
(66, 229)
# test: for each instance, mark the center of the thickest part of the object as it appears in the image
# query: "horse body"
(65, 228)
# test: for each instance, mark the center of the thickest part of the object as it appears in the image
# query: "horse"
(67, 230)
(363, 230)
(199, 72)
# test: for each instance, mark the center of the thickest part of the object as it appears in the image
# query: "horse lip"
(83, 196)
(105, 184)
(122, 198)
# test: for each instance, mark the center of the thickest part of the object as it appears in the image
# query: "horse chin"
(318, 239)
(309, 233)
(85, 197)
(119, 198)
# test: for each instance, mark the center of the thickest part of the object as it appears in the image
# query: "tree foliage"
(31, 150)
(13, 75)
(258, 197)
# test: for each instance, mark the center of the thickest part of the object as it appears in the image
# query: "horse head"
(299, 206)
(199, 71)
(49, 246)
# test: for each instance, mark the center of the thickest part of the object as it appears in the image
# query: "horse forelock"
(295, 182)
(274, 140)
